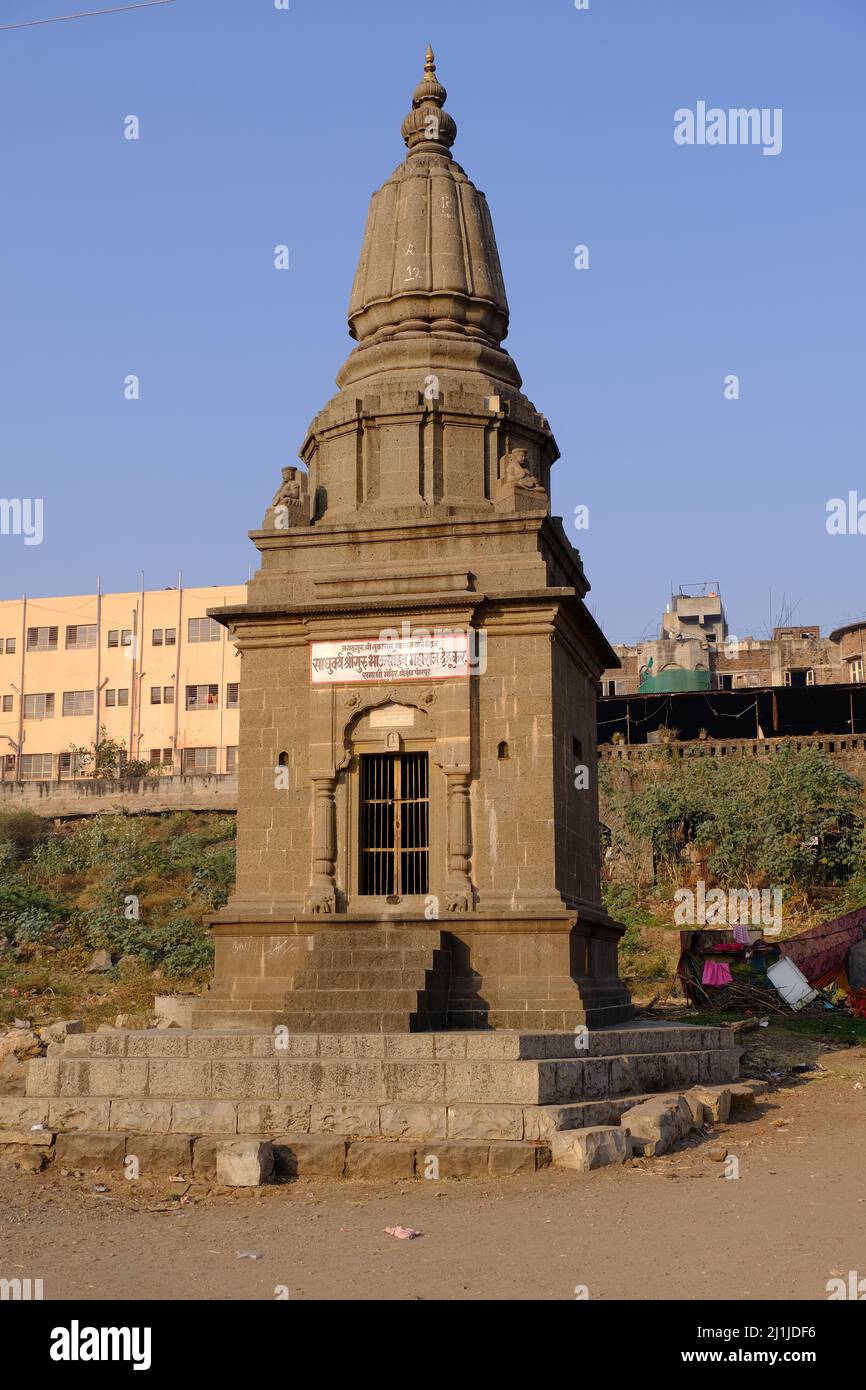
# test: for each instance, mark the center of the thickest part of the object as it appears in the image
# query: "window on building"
(202, 696)
(120, 637)
(168, 694)
(167, 757)
(38, 707)
(232, 759)
(855, 669)
(9, 764)
(36, 767)
(116, 697)
(233, 695)
(80, 637)
(71, 764)
(800, 676)
(10, 646)
(78, 702)
(170, 636)
(156, 694)
(42, 639)
(156, 637)
(199, 760)
(7, 704)
(204, 630)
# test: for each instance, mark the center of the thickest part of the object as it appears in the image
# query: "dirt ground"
(671, 1227)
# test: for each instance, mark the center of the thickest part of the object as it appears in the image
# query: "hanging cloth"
(716, 972)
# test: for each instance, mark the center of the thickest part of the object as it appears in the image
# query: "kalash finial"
(428, 129)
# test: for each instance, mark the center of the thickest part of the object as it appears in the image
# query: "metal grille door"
(395, 823)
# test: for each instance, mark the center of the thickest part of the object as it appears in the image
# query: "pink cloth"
(716, 972)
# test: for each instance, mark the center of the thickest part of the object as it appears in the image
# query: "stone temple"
(419, 668)
(415, 975)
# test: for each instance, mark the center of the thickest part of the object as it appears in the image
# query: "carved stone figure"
(516, 472)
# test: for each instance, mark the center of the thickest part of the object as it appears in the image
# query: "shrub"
(24, 830)
(790, 818)
(183, 946)
(214, 880)
(34, 924)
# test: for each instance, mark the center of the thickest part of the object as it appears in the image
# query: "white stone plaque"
(433, 656)
(392, 717)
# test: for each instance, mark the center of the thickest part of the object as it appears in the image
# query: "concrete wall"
(147, 794)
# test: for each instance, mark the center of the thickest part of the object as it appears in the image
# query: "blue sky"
(260, 127)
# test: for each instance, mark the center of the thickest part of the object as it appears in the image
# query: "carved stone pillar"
(459, 895)
(323, 887)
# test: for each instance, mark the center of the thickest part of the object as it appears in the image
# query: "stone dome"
(429, 262)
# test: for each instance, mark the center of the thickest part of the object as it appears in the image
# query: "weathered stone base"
(165, 1094)
(294, 1155)
(349, 974)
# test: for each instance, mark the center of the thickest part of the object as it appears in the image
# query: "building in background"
(695, 651)
(149, 670)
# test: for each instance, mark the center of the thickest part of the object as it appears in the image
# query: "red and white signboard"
(428, 657)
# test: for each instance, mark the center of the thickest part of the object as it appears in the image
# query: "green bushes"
(177, 946)
(23, 830)
(792, 818)
(213, 881)
(132, 885)
(183, 947)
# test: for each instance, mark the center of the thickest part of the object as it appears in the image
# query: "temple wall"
(274, 823)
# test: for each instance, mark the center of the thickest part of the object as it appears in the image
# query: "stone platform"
(179, 1092)
(513, 971)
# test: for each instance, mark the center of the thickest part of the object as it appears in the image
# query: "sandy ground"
(671, 1227)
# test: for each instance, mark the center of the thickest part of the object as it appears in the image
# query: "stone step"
(295, 1155)
(376, 980)
(376, 1000)
(313, 1020)
(371, 981)
(385, 1120)
(493, 1045)
(378, 938)
(381, 1079)
(545, 1018)
(375, 958)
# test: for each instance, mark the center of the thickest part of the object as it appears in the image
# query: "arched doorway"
(392, 809)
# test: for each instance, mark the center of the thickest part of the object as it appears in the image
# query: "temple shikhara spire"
(429, 263)
(419, 667)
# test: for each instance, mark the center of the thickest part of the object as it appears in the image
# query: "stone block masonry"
(363, 1105)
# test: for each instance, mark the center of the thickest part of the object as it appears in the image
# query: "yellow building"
(150, 668)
